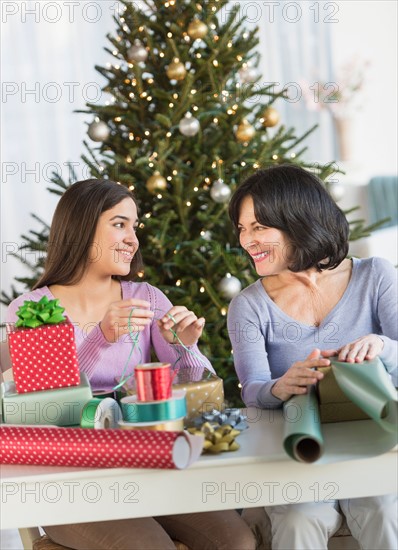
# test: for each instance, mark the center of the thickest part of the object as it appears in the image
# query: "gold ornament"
(245, 131)
(271, 117)
(176, 70)
(156, 183)
(197, 29)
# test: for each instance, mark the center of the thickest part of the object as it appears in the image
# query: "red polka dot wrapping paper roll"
(44, 357)
(101, 448)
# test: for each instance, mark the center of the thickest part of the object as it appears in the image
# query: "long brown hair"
(73, 229)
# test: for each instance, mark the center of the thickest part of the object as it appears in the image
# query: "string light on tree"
(197, 29)
(98, 130)
(245, 131)
(156, 183)
(206, 235)
(189, 125)
(229, 286)
(270, 117)
(248, 74)
(176, 70)
(220, 192)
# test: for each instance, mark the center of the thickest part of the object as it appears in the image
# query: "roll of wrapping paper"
(303, 438)
(368, 386)
(46, 446)
(101, 413)
(171, 426)
(154, 411)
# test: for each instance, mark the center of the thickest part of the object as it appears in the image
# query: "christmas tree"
(187, 120)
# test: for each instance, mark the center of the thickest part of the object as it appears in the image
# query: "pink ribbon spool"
(153, 381)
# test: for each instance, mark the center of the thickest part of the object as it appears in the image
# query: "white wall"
(368, 30)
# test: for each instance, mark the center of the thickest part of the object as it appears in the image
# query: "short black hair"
(295, 201)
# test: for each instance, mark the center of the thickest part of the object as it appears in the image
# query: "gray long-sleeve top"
(266, 341)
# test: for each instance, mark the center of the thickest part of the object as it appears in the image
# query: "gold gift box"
(334, 405)
(204, 390)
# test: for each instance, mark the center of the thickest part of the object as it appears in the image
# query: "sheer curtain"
(296, 53)
(49, 50)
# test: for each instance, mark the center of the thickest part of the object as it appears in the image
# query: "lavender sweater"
(266, 341)
(103, 361)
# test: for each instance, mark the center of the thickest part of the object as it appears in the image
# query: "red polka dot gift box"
(43, 348)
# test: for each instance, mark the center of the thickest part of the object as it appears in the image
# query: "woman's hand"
(116, 320)
(184, 323)
(296, 380)
(364, 348)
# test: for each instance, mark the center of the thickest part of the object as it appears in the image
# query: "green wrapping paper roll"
(303, 438)
(365, 384)
(154, 411)
(369, 386)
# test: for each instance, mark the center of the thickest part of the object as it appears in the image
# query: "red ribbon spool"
(153, 381)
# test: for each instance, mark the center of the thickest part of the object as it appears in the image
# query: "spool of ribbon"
(153, 381)
(171, 426)
(155, 411)
(44, 312)
(47, 446)
(101, 413)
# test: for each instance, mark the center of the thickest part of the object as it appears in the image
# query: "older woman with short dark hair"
(310, 303)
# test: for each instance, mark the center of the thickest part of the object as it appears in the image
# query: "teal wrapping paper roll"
(303, 439)
(365, 384)
(369, 386)
(154, 411)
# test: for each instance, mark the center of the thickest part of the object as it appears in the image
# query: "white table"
(258, 474)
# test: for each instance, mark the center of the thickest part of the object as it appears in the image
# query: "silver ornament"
(137, 53)
(189, 125)
(220, 192)
(248, 74)
(98, 131)
(229, 286)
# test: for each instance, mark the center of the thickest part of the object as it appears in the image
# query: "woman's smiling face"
(267, 246)
(115, 241)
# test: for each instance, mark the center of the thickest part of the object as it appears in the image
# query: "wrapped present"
(204, 391)
(59, 407)
(334, 405)
(42, 348)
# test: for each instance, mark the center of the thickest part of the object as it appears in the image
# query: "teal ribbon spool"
(154, 411)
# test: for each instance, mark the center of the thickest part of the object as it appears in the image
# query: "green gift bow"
(44, 312)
